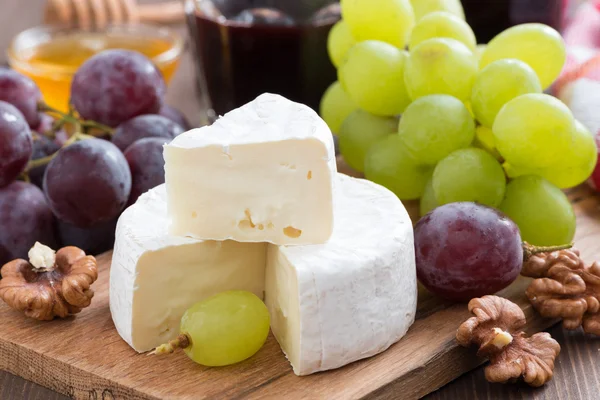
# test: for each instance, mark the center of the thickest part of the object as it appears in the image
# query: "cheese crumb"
(42, 257)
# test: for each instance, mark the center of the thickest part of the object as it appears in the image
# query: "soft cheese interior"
(155, 276)
(330, 304)
(261, 173)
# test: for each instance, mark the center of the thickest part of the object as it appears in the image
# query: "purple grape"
(147, 165)
(15, 143)
(42, 147)
(466, 250)
(88, 182)
(176, 116)
(145, 126)
(21, 92)
(264, 16)
(94, 240)
(24, 219)
(114, 86)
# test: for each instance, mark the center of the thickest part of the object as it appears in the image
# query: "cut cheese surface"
(262, 173)
(155, 277)
(352, 297)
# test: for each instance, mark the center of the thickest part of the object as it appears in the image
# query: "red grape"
(24, 219)
(21, 92)
(15, 143)
(88, 182)
(594, 180)
(42, 147)
(175, 115)
(145, 158)
(145, 126)
(114, 86)
(94, 240)
(465, 250)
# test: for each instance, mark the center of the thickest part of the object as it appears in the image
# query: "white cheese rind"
(262, 173)
(352, 297)
(155, 277)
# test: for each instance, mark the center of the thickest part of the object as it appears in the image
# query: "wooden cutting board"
(84, 357)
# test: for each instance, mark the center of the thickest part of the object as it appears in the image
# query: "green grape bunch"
(473, 120)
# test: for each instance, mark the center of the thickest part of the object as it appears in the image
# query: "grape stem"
(45, 160)
(80, 124)
(180, 342)
(530, 250)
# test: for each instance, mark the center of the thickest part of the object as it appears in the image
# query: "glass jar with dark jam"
(490, 17)
(247, 47)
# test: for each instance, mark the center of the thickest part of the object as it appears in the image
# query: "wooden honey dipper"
(97, 14)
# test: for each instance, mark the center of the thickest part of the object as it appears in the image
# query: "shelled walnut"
(51, 284)
(496, 330)
(564, 287)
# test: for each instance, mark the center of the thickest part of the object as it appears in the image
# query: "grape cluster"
(65, 178)
(422, 109)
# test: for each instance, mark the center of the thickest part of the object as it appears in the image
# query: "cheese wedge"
(352, 297)
(155, 277)
(261, 173)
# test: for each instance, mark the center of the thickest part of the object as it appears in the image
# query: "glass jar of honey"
(51, 55)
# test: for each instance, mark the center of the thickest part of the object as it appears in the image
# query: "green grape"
(424, 7)
(497, 84)
(533, 129)
(538, 45)
(442, 24)
(372, 75)
(574, 165)
(225, 329)
(434, 126)
(440, 66)
(339, 41)
(428, 201)
(469, 175)
(541, 210)
(335, 106)
(480, 50)
(389, 164)
(359, 132)
(386, 20)
(484, 139)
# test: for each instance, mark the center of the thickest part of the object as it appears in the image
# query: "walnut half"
(496, 330)
(52, 285)
(564, 287)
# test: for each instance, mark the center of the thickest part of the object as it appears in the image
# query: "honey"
(52, 61)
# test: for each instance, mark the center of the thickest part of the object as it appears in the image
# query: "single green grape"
(440, 66)
(434, 126)
(389, 164)
(339, 41)
(223, 329)
(372, 75)
(390, 21)
(533, 129)
(335, 106)
(428, 201)
(442, 24)
(469, 175)
(484, 139)
(425, 7)
(497, 84)
(540, 46)
(573, 166)
(541, 210)
(359, 132)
